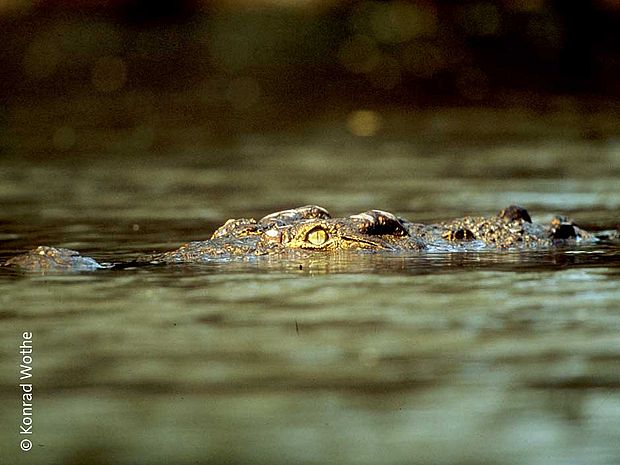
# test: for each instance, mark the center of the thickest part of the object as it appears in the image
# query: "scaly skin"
(311, 229)
(45, 258)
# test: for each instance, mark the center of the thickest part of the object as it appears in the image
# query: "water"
(472, 358)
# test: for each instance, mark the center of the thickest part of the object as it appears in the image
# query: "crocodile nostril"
(564, 231)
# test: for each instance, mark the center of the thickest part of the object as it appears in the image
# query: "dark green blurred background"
(97, 76)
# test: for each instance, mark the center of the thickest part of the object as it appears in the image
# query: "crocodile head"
(307, 228)
(312, 228)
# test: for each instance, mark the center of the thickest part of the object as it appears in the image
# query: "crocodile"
(310, 229)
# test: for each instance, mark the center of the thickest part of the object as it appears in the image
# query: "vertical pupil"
(317, 236)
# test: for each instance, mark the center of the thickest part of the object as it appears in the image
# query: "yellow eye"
(317, 236)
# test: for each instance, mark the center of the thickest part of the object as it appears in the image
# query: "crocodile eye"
(317, 236)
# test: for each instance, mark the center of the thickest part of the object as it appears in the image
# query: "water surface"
(464, 358)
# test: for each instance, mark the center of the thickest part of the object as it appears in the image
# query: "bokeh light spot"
(364, 123)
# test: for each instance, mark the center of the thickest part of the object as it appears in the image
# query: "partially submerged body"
(46, 258)
(311, 229)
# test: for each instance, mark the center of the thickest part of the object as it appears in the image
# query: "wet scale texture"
(310, 229)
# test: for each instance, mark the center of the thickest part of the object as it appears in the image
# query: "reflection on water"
(495, 358)
(474, 365)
